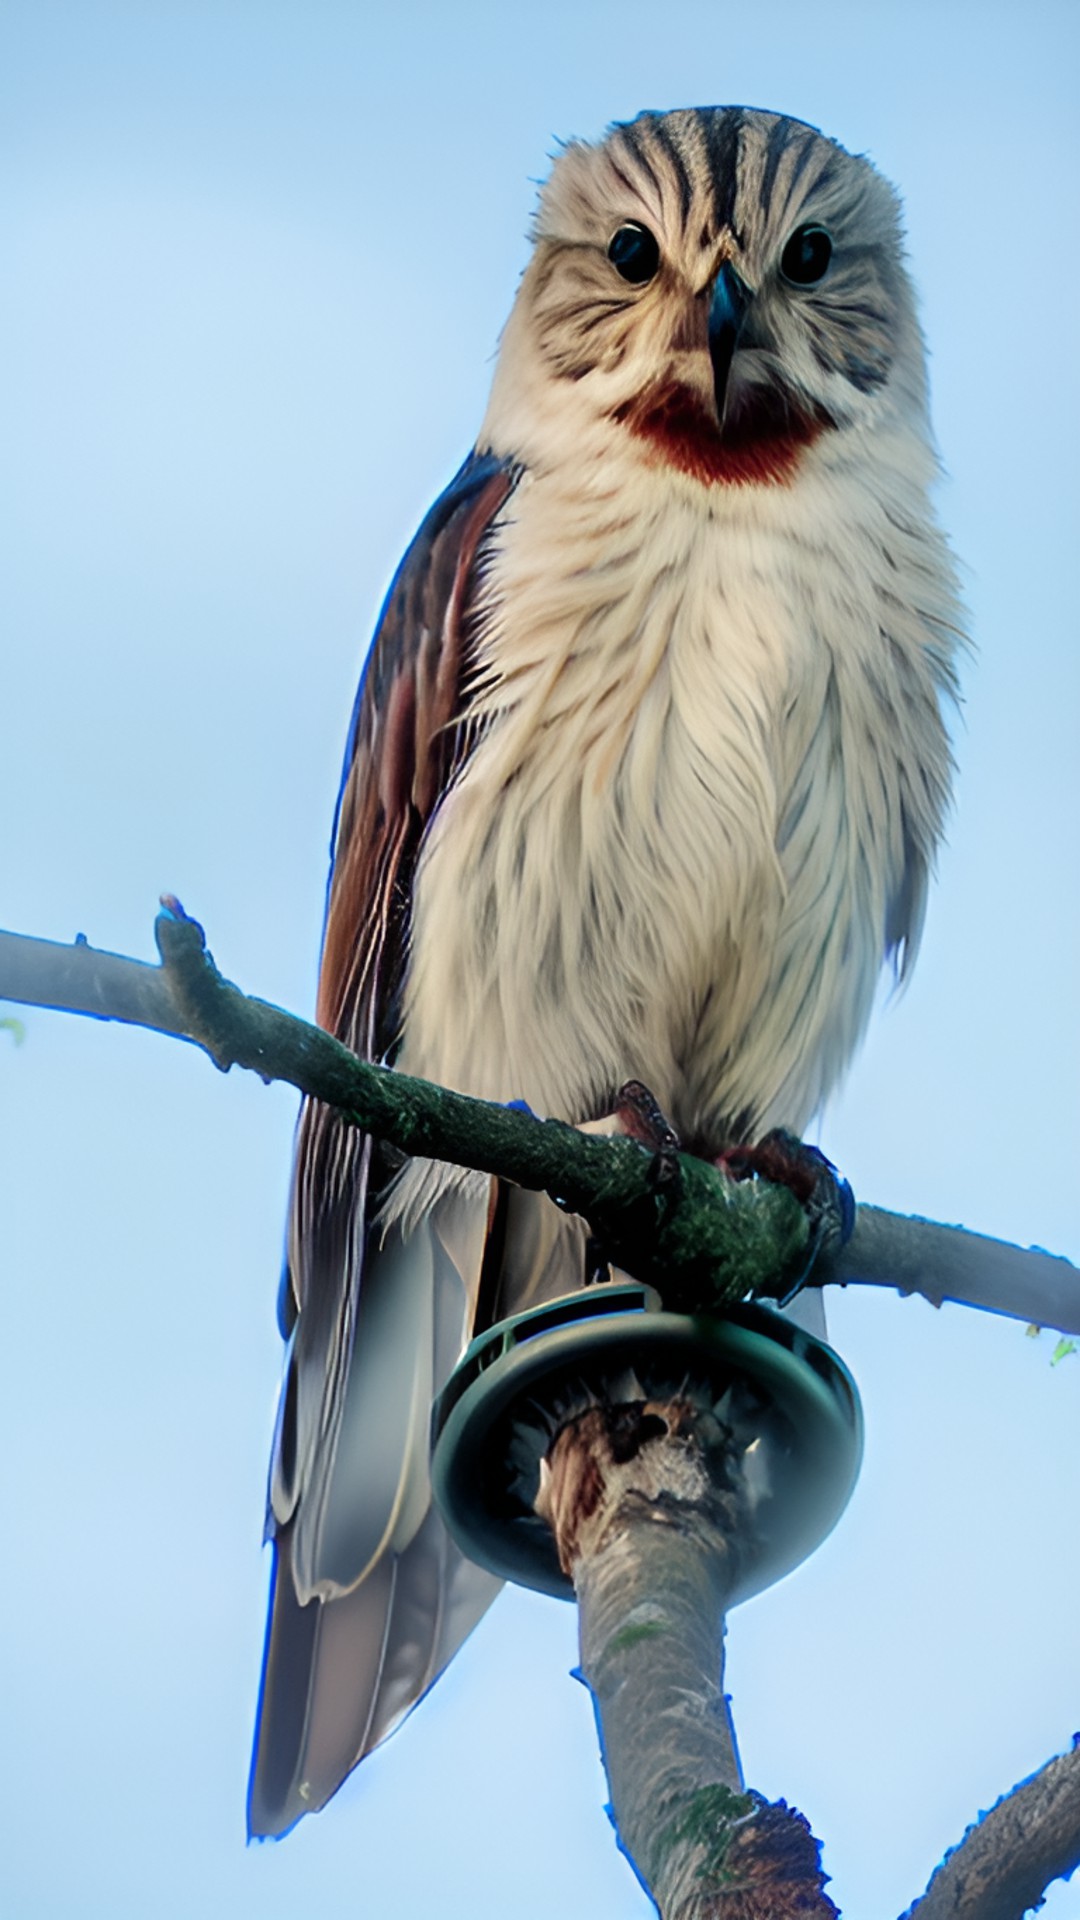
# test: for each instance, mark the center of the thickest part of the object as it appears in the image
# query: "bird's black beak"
(730, 298)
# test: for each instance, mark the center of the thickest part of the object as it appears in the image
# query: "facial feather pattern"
(645, 779)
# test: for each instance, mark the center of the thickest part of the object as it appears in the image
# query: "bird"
(646, 775)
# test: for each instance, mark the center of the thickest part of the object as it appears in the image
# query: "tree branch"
(751, 1233)
(1004, 1864)
(709, 1238)
(953, 1264)
(650, 1516)
(705, 1240)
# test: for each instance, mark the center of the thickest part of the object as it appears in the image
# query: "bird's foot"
(823, 1193)
(641, 1116)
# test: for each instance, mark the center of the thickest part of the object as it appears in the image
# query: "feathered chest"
(673, 724)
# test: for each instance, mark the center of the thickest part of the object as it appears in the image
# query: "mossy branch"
(704, 1239)
(711, 1239)
(708, 1238)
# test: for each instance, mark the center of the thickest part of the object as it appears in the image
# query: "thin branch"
(952, 1264)
(83, 979)
(1004, 1864)
(739, 1227)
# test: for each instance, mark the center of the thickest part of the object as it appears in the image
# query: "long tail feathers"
(339, 1675)
(369, 1598)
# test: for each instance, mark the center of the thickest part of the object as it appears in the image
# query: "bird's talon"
(823, 1193)
(641, 1116)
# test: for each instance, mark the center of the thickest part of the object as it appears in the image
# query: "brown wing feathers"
(403, 752)
(403, 749)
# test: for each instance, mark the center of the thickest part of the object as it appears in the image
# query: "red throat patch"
(760, 451)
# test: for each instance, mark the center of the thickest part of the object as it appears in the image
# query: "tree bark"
(1004, 1864)
(648, 1514)
(952, 1264)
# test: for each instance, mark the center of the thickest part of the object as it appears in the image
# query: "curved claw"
(641, 1116)
(824, 1195)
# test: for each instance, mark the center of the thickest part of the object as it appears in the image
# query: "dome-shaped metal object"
(787, 1399)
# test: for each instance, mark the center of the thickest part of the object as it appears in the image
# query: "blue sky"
(257, 257)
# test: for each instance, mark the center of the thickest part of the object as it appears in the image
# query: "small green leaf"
(1062, 1350)
(16, 1028)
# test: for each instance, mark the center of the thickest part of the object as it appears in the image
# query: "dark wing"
(348, 1491)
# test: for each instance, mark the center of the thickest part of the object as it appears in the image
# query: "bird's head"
(723, 285)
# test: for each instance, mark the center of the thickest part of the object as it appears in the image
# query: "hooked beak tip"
(727, 311)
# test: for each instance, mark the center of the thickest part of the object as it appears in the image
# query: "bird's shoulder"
(403, 744)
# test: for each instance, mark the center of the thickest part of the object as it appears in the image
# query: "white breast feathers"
(708, 783)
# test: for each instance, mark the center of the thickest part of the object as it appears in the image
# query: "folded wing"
(369, 1598)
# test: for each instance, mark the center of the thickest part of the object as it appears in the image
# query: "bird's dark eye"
(806, 257)
(634, 253)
